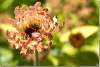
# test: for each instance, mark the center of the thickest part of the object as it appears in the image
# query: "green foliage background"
(63, 54)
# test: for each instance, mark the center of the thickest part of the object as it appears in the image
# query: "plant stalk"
(35, 57)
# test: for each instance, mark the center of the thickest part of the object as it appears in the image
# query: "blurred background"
(76, 42)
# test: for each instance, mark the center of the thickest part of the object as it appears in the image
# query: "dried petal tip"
(38, 4)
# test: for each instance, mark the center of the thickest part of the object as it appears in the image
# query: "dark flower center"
(77, 40)
(31, 29)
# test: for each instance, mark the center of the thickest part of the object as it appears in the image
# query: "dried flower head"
(33, 25)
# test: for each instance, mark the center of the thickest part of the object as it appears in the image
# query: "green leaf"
(69, 49)
(53, 59)
(92, 44)
(60, 17)
(5, 56)
(6, 4)
(86, 58)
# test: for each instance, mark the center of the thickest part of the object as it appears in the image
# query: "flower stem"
(35, 57)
